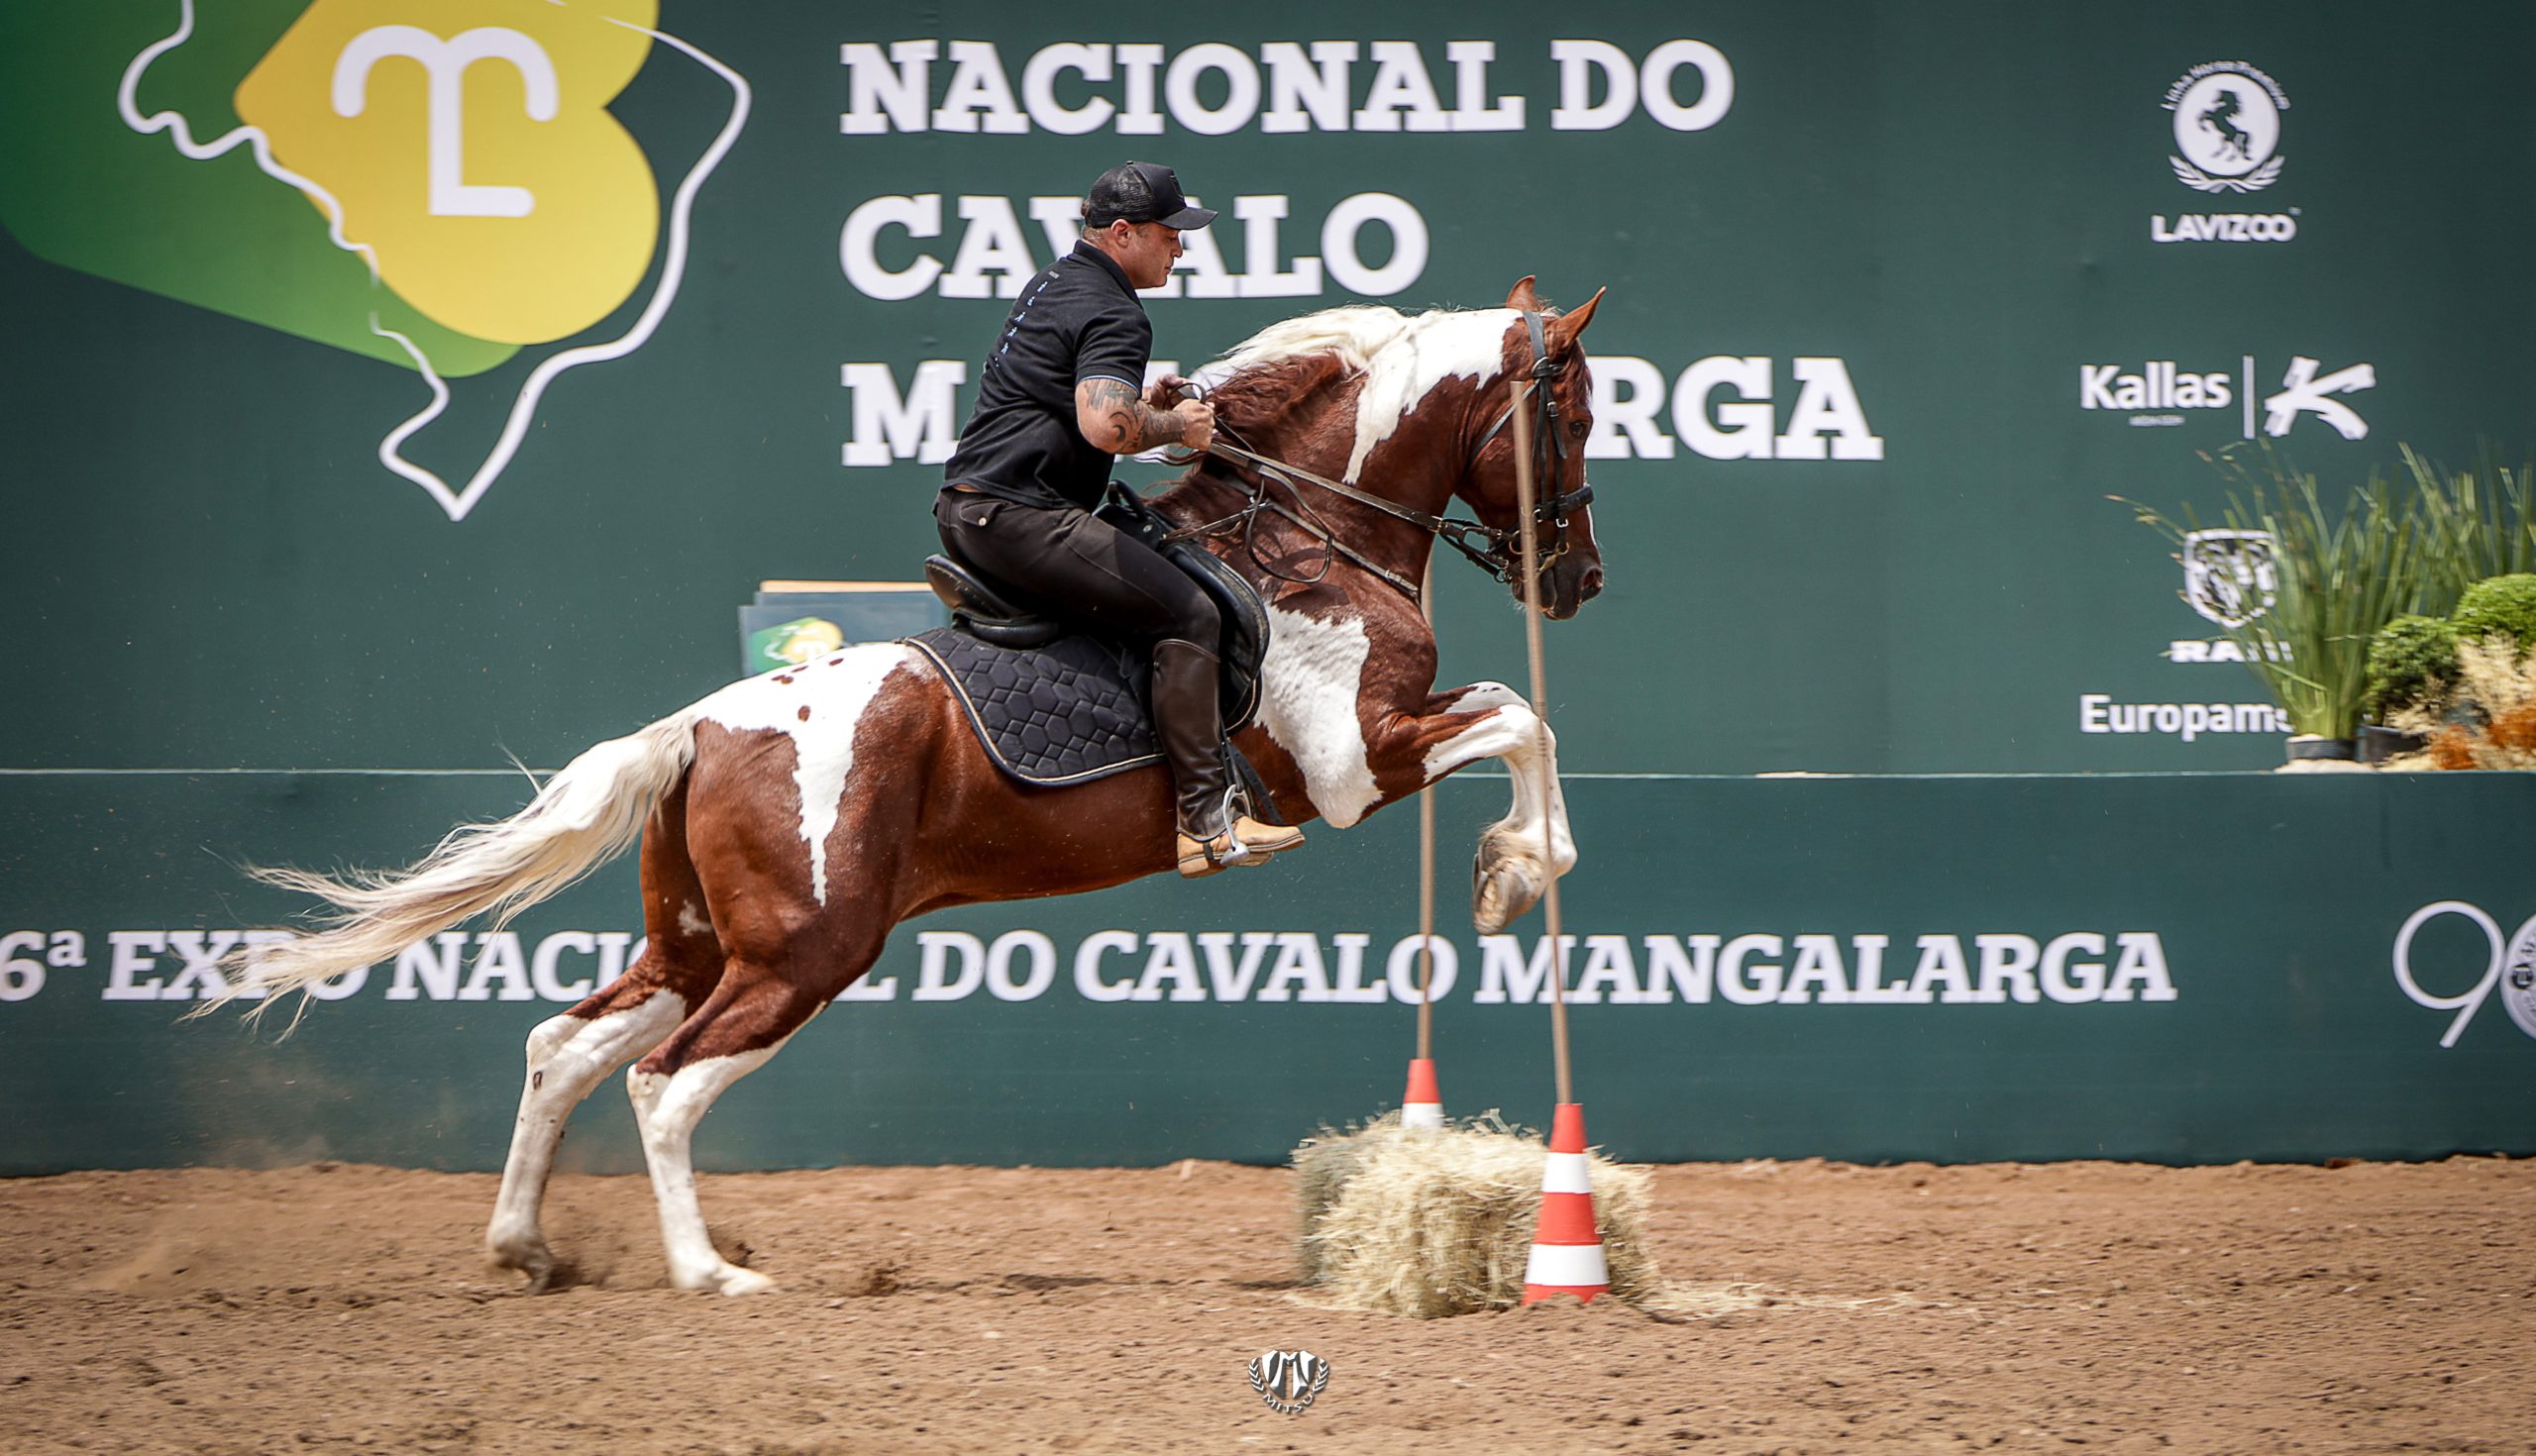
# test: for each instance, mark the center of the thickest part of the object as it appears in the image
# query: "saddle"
(1054, 704)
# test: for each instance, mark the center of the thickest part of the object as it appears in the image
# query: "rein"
(1497, 550)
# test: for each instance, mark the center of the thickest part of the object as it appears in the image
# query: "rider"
(1057, 401)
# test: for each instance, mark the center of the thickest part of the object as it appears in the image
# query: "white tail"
(585, 816)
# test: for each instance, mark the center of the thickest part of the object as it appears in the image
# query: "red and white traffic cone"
(1567, 1250)
(1421, 1105)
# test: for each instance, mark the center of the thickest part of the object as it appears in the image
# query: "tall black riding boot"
(1189, 721)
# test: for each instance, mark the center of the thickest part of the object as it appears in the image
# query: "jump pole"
(1567, 1248)
(1423, 1104)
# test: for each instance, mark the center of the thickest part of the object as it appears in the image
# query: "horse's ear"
(1522, 298)
(1563, 330)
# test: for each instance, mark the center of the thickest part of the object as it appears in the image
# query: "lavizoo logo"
(437, 183)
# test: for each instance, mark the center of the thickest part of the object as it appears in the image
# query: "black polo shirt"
(1077, 321)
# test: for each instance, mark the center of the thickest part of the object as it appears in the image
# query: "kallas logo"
(2156, 394)
(2227, 126)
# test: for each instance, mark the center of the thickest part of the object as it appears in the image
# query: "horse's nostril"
(1591, 585)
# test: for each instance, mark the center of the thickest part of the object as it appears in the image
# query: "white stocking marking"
(567, 1057)
(1510, 732)
(667, 1108)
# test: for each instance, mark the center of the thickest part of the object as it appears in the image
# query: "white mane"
(1402, 357)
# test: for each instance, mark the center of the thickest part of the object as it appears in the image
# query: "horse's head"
(1559, 409)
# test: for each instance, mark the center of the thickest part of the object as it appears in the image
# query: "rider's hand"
(1164, 392)
(1198, 423)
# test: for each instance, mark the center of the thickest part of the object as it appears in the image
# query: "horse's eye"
(1578, 428)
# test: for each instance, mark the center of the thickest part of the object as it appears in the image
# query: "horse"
(790, 820)
(2221, 116)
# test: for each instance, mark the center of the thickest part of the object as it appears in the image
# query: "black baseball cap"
(1142, 192)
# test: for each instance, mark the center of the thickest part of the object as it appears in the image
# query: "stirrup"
(1247, 841)
(1263, 840)
(1200, 858)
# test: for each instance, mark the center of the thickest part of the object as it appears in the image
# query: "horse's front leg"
(1519, 854)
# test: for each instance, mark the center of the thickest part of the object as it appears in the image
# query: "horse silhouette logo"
(1289, 1379)
(2227, 126)
(2229, 576)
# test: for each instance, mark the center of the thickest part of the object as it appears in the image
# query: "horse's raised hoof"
(1501, 890)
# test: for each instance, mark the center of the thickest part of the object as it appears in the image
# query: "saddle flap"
(1246, 627)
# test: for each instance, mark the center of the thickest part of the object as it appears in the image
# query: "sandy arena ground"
(2373, 1308)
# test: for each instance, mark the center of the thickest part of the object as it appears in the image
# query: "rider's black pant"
(1079, 566)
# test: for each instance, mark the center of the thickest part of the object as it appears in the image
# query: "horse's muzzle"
(1565, 592)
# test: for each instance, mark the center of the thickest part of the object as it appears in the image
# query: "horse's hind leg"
(739, 1028)
(567, 1057)
(785, 969)
(569, 1053)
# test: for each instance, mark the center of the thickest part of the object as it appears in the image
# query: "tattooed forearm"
(1112, 416)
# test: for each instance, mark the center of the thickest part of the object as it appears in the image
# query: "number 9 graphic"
(2518, 957)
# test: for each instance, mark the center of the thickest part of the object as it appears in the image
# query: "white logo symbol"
(2227, 126)
(2229, 576)
(2511, 968)
(2302, 391)
(445, 62)
(1289, 1379)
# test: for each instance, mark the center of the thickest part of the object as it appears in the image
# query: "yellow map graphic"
(470, 143)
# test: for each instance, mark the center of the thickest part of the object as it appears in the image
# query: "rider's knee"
(1200, 621)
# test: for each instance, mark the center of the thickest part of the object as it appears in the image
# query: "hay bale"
(1428, 1222)
(1323, 1167)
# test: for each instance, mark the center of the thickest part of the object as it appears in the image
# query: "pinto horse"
(790, 820)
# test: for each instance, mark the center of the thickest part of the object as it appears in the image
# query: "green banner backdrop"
(1899, 295)
(395, 387)
(1953, 969)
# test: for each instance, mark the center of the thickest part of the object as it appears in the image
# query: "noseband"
(1491, 550)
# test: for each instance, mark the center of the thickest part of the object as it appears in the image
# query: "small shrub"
(2453, 749)
(2412, 663)
(2514, 729)
(2490, 722)
(2499, 606)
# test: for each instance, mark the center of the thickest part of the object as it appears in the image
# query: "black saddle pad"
(1074, 709)
(1069, 712)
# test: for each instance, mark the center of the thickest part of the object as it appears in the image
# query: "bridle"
(1489, 547)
